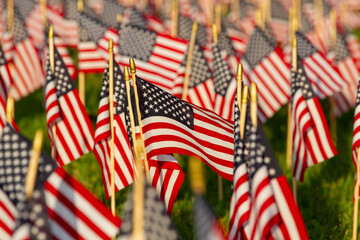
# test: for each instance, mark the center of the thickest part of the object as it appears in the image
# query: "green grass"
(325, 197)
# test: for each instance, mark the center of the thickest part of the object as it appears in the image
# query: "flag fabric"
(171, 125)
(94, 43)
(73, 212)
(201, 83)
(240, 198)
(5, 83)
(166, 177)
(61, 46)
(356, 131)
(123, 153)
(354, 47)
(224, 85)
(279, 23)
(158, 57)
(312, 142)
(346, 99)
(206, 224)
(264, 64)
(74, 134)
(8, 46)
(324, 78)
(157, 223)
(28, 74)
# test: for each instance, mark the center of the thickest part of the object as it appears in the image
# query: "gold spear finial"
(132, 66)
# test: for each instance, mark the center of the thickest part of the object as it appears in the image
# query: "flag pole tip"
(132, 66)
(126, 74)
(245, 94)
(239, 72)
(119, 18)
(253, 92)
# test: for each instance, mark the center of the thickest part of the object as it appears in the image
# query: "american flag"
(264, 64)
(8, 46)
(28, 74)
(157, 223)
(171, 125)
(158, 57)
(94, 43)
(123, 154)
(345, 99)
(224, 86)
(165, 173)
(324, 77)
(201, 83)
(72, 210)
(74, 132)
(5, 83)
(356, 131)
(207, 226)
(312, 142)
(240, 198)
(279, 23)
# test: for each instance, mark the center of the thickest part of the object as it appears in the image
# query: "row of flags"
(205, 125)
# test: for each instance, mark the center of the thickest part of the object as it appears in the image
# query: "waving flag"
(206, 224)
(28, 74)
(5, 83)
(345, 99)
(94, 43)
(158, 57)
(264, 64)
(201, 83)
(312, 142)
(72, 210)
(240, 198)
(171, 125)
(74, 134)
(123, 154)
(157, 223)
(225, 86)
(324, 78)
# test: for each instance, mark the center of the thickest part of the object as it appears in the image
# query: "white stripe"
(69, 142)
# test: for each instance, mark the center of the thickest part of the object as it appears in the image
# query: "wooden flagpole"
(52, 66)
(80, 6)
(197, 176)
(111, 113)
(243, 104)
(43, 12)
(344, 12)
(174, 17)
(10, 107)
(253, 104)
(133, 75)
(356, 196)
(10, 102)
(235, 8)
(333, 33)
(289, 139)
(10, 15)
(138, 198)
(218, 17)
(188, 61)
(33, 164)
(259, 19)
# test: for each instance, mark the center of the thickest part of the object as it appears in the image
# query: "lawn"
(324, 198)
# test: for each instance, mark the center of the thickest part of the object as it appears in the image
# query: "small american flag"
(74, 132)
(356, 131)
(94, 43)
(157, 223)
(207, 226)
(5, 83)
(158, 57)
(312, 142)
(240, 198)
(123, 153)
(264, 64)
(171, 125)
(28, 74)
(201, 83)
(345, 99)
(72, 210)
(324, 77)
(224, 86)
